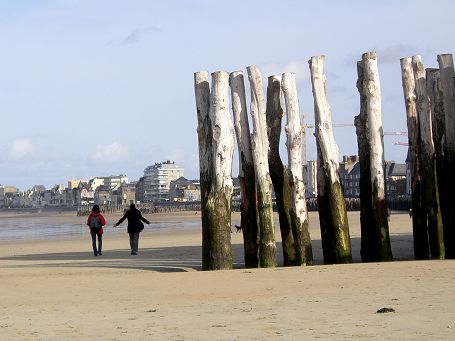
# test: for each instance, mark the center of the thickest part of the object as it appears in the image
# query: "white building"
(157, 179)
(310, 179)
(112, 182)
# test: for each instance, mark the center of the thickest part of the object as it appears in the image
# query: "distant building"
(126, 194)
(156, 181)
(184, 190)
(310, 179)
(396, 178)
(103, 195)
(140, 190)
(6, 194)
(112, 182)
(74, 183)
(350, 176)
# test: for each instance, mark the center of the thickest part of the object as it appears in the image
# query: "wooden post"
(219, 201)
(447, 72)
(371, 91)
(204, 130)
(430, 194)
(248, 207)
(435, 95)
(278, 173)
(421, 247)
(295, 144)
(333, 218)
(369, 249)
(260, 146)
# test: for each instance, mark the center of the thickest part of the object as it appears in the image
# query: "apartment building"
(155, 183)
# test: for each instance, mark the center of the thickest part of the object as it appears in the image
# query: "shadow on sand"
(180, 259)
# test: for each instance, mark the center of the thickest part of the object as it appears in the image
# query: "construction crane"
(311, 125)
(401, 144)
(337, 125)
(399, 133)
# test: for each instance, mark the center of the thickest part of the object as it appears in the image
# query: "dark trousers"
(100, 243)
(134, 242)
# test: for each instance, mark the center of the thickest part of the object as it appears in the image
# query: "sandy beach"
(54, 289)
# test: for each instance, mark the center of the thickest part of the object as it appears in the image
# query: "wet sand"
(56, 290)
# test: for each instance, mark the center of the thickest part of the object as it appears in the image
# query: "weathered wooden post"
(220, 196)
(369, 250)
(204, 130)
(278, 173)
(430, 194)
(248, 207)
(333, 218)
(435, 95)
(216, 141)
(376, 246)
(295, 144)
(447, 72)
(421, 247)
(260, 146)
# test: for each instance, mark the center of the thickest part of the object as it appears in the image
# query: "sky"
(105, 87)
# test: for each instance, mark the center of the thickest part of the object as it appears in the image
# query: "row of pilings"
(261, 167)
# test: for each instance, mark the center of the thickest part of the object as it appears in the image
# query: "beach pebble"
(385, 310)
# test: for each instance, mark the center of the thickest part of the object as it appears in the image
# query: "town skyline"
(132, 180)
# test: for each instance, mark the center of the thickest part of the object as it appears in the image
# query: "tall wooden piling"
(369, 247)
(295, 145)
(260, 146)
(435, 95)
(220, 196)
(279, 174)
(334, 225)
(248, 206)
(447, 73)
(377, 235)
(420, 234)
(204, 130)
(430, 193)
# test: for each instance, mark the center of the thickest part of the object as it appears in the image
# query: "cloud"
(109, 153)
(137, 34)
(386, 55)
(299, 67)
(393, 54)
(20, 148)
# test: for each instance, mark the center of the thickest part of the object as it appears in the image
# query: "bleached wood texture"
(372, 93)
(204, 130)
(447, 72)
(430, 195)
(219, 200)
(248, 206)
(260, 146)
(421, 247)
(278, 172)
(331, 205)
(295, 144)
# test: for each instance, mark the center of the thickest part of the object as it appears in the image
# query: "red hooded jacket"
(101, 219)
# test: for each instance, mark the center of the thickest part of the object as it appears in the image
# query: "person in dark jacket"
(96, 222)
(135, 226)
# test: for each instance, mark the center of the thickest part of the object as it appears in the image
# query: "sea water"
(54, 227)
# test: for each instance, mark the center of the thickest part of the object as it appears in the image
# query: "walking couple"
(135, 225)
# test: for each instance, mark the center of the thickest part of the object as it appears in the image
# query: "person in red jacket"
(96, 222)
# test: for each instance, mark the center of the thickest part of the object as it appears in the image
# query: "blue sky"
(97, 87)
